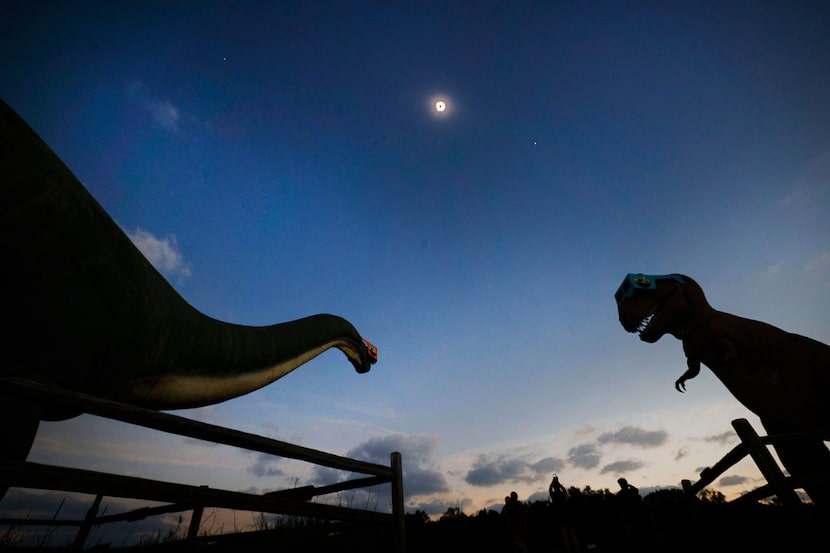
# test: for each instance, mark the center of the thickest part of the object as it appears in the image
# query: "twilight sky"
(276, 160)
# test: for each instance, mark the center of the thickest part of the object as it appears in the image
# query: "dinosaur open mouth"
(645, 324)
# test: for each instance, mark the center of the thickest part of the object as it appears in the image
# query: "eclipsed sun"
(439, 106)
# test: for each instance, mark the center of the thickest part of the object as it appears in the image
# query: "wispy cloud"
(817, 266)
(548, 465)
(163, 253)
(491, 471)
(622, 467)
(420, 476)
(635, 436)
(772, 271)
(266, 465)
(734, 480)
(725, 438)
(585, 456)
(163, 112)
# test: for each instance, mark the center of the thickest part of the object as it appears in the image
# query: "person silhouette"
(562, 515)
(558, 493)
(629, 503)
(629, 494)
(516, 514)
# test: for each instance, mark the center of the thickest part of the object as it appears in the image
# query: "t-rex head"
(654, 305)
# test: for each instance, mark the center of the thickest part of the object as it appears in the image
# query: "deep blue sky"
(287, 159)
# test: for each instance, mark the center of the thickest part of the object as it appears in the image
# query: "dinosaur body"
(87, 312)
(780, 376)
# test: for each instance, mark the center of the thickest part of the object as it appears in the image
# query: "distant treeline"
(665, 520)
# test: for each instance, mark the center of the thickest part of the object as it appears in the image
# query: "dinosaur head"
(371, 357)
(654, 305)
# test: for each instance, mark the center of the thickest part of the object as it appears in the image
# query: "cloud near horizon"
(584, 456)
(588, 455)
(420, 476)
(622, 467)
(725, 438)
(734, 480)
(635, 436)
(489, 471)
(266, 465)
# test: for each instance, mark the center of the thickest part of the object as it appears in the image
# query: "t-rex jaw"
(647, 329)
(644, 324)
(640, 301)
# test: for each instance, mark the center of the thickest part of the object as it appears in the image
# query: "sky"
(280, 159)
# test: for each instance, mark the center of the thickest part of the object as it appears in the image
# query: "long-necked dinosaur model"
(86, 311)
(781, 377)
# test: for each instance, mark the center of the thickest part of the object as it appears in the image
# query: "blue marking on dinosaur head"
(639, 281)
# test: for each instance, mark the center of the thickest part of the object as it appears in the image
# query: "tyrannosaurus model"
(86, 311)
(779, 376)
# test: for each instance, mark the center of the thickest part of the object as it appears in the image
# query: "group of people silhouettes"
(515, 514)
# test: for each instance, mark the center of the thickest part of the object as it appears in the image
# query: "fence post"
(766, 464)
(195, 521)
(86, 527)
(397, 502)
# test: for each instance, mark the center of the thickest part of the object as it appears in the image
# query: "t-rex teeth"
(647, 320)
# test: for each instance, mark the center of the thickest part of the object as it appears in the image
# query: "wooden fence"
(778, 484)
(182, 497)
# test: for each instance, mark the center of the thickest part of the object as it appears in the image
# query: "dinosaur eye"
(371, 349)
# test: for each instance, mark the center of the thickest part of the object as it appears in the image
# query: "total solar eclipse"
(439, 105)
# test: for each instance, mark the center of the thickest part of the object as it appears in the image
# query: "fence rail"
(778, 484)
(187, 497)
